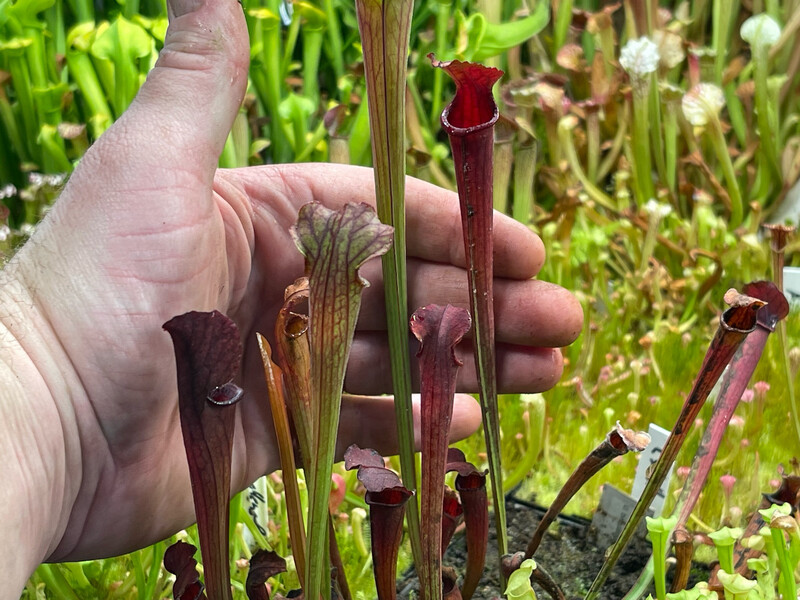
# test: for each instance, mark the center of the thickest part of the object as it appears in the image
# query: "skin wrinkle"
(136, 525)
(113, 192)
(30, 516)
(237, 217)
(42, 349)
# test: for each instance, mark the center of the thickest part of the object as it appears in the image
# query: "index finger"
(433, 219)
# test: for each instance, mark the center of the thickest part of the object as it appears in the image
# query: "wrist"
(40, 458)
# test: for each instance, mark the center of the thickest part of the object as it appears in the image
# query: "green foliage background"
(647, 245)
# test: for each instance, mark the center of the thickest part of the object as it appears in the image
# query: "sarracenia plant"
(291, 333)
(385, 26)
(208, 352)
(469, 122)
(788, 491)
(619, 441)
(471, 486)
(294, 357)
(439, 329)
(785, 552)
(386, 497)
(659, 529)
(179, 560)
(283, 436)
(735, 324)
(263, 565)
(733, 385)
(335, 244)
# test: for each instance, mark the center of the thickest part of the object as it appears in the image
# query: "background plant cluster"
(648, 189)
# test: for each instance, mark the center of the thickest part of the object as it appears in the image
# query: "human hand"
(146, 229)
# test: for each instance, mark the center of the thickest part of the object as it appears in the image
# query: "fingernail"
(177, 8)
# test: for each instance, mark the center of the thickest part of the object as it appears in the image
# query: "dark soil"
(568, 552)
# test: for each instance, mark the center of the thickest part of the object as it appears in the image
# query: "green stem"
(271, 61)
(357, 516)
(155, 570)
(534, 433)
(55, 25)
(659, 529)
(319, 134)
(724, 158)
(524, 174)
(24, 90)
(84, 10)
(334, 38)
(719, 38)
(766, 132)
(503, 161)
(671, 146)
(359, 134)
(639, 588)
(592, 143)
(130, 8)
(699, 21)
(265, 73)
(656, 132)
(443, 8)
(736, 113)
(82, 72)
(35, 56)
(54, 580)
(289, 44)
(385, 29)
(11, 129)
(138, 572)
(8, 162)
(787, 369)
(563, 19)
(105, 74)
(641, 143)
(786, 582)
(227, 160)
(335, 245)
(312, 49)
(565, 127)
(53, 153)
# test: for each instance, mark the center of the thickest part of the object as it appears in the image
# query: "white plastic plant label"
(648, 457)
(791, 284)
(612, 514)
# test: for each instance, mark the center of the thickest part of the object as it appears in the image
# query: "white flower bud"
(658, 210)
(639, 57)
(701, 103)
(760, 30)
(7, 191)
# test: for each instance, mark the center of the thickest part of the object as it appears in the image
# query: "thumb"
(136, 231)
(198, 83)
(176, 127)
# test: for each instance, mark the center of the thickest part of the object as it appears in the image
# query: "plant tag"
(791, 284)
(648, 457)
(610, 517)
(255, 502)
